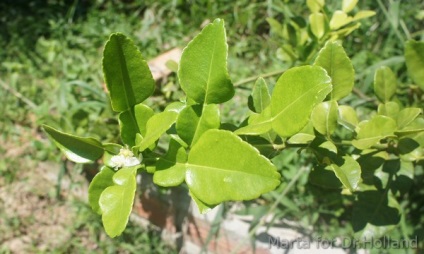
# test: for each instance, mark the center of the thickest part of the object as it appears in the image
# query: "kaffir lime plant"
(219, 164)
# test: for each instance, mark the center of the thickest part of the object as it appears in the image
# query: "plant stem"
(273, 207)
(253, 78)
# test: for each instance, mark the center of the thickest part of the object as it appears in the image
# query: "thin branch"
(18, 95)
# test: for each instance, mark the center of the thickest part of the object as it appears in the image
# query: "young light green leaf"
(363, 14)
(156, 126)
(414, 58)
(116, 201)
(194, 120)
(406, 116)
(260, 97)
(384, 84)
(76, 149)
(127, 75)
(390, 109)
(317, 23)
(349, 173)
(203, 67)
(335, 61)
(142, 115)
(296, 93)
(415, 128)
(324, 117)
(301, 138)
(348, 117)
(339, 19)
(315, 5)
(372, 131)
(170, 169)
(257, 124)
(348, 5)
(100, 182)
(222, 167)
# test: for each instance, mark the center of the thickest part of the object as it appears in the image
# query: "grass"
(50, 72)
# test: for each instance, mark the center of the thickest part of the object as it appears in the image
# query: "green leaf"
(363, 14)
(203, 207)
(156, 126)
(100, 182)
(133, 122)
(335, 61)
(317, 22)
(324, 178)
(170, 169)
(315, 5)
(390, 109)
(339, 19)
(384, 84)
(324, 117)
(203, 67)
(301, 138)
(116, 201)
(257, 124)
(76, 149)
(373, 207)
(127, 75)
(372, 131)
(348, 5)
(414, 58)
(415, 128)
(406, 116)
(194, 120)
(222, 167)
(296, 93)
(260, 98)
(348, 117)
(349, 173)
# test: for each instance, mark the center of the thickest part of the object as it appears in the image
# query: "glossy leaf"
(348, 117)
(156, 126)
(215, 172)
(301, 138)
(296, 93)
(339, 19)
(170, 169)
(348, 5)
(194, 120)
(317, 23)
(384, 83)
(414, 58)
(349, 173)
(335, 61)
(142, 115)
(203, 207)
(257, 124)
(372, 131)
(128, 127)
(100, 182)
(324, 117)
(76, 149)
(315, 5)
(127, 75)
(406, 116)
(116, 201)
(413, 128)
(203, 67)
(260, 97)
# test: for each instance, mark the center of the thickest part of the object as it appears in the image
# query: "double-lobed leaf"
(116, 201)
(295, 95)
(203, 71)
(335, 61)
(100, 182)
(170, 169)
(372, 131)
(260, 97)
(127, 75)
(324, 117)
(76, 149)
(134, 121)
(222, 167)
